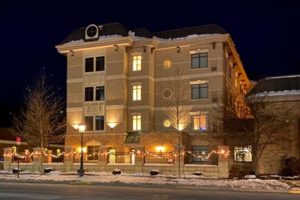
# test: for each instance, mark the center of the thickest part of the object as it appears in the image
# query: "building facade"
(124, 85)
(282, 93)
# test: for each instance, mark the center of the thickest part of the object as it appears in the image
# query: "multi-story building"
(122, 85)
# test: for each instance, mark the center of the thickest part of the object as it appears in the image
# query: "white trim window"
(137, 63)
(137, 92)
(199, 91)
(242, 154)
(199, 60)
(136, 122)
(199, 122)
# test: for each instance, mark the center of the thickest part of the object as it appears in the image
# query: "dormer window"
(92, 32)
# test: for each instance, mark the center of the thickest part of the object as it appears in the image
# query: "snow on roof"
(287, 76)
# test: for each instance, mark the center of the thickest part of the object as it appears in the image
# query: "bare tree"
(178, 109)
(41, 121)
(264, 124)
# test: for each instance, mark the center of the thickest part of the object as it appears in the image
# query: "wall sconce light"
(178, 49)
(144, 48)
(72, 53)
(112, 125)
(116, 47)
(160, 148)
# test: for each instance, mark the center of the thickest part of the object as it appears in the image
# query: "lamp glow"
(160, 148)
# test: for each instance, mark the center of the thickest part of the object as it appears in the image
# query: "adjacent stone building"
(121, 85)
(282, 92)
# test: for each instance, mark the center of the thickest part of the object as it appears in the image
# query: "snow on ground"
(56, 176)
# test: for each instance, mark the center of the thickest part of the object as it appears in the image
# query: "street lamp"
(81, 129)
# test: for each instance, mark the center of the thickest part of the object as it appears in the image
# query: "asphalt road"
(32, 191)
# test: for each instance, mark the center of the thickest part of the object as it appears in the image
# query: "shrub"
(154, 172)
(116, 171)
(290, 166)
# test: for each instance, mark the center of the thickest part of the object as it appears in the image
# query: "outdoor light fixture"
(72, 53)
(81, 129)
(112, 125)
(116, 47)
(160, 148)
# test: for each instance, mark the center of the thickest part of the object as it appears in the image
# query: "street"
(24, 191)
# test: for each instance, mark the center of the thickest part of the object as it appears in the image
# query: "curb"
(174, 186)
(294, 190)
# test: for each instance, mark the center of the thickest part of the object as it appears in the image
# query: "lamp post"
(179, 127)
(81, 128)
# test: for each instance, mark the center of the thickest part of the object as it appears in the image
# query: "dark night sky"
(266, 33)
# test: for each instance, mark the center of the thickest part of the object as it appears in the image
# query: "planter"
(154, 172)
(197, 173)
(16, 170)
(48, 170)
(116, 171)
(78, 171)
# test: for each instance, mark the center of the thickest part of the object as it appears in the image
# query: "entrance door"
(112, 156)
(132, 156)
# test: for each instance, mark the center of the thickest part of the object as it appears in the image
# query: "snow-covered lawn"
(251, 184)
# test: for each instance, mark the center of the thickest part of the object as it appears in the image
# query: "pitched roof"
(142, 32)
(118, 29)
(282, 83)
(182, 32)
(107, 29)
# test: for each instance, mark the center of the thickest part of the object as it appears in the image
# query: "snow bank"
(193, 180)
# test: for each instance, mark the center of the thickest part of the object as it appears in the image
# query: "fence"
(130, 162)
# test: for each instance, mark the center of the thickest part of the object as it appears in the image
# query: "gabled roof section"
(142, 32)
(107, 29)
(276, 84)
(198, 30)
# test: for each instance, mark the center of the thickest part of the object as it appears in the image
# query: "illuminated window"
(92, 152)
(137, 63)
(200, 154)
(199, 122)
(242, 154)
(199, 60)
(136, 122)
(136, 92)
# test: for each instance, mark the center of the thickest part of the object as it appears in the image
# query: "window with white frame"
(199, 60)
(136, 122)
(242, 154)
(137, 92)
(99, 122)
(199, 91)
(137, 63)
(199, 122)
(95, 64)
(89, 122)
